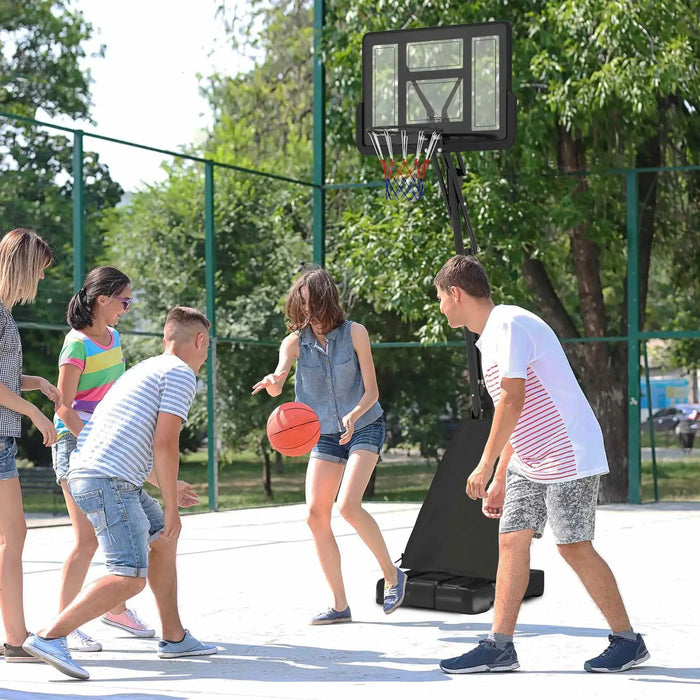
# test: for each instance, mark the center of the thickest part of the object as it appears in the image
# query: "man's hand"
(478, 480)
(186, 495)
(492, 506)
(171, 525)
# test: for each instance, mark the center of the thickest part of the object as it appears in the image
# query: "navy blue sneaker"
(485, 657)
(394, 595)
(620, 655)
(331, 616)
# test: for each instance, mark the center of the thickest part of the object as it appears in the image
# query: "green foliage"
(40, 52)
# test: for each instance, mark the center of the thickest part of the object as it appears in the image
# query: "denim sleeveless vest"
(331, 382)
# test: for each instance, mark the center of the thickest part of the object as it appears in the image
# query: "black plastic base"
(463, 594)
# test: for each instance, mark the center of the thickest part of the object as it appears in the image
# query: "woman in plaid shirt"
(23, 258)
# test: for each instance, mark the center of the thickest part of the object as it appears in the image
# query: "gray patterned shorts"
(569, 506)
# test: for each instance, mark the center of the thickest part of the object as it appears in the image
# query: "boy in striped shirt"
(133, 436)
(550, 454)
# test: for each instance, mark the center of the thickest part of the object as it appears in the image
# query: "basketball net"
(404, 179)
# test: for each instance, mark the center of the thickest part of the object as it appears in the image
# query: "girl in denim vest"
(23, 258)
(335, 376)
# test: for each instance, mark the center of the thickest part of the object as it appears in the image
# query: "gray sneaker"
(189, 646)
(331, 616)
(14, 654)
(55, 652)
(394, 595)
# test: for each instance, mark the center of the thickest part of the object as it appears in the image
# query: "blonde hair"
(23, 257)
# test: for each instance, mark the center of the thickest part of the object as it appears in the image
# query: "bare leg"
(162, 578)
(99, 597)
(357, 473)
(322, 482)
(77, 563)
(599, 581)
(13, 531)
(511, 579)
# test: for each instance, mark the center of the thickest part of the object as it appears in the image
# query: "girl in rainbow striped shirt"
(91, 360)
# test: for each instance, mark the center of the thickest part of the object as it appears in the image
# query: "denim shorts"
(126, 519)
(8, 452)
(60, 455)
(370, 438)
(568, 505)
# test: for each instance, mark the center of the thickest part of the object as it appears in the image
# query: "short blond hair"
(23, 257)
(183, 322)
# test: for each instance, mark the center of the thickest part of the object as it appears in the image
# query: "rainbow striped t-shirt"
(100, 367)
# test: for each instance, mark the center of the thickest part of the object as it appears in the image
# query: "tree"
(40, 68)
(599, 85)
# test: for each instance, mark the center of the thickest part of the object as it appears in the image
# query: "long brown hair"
(23, 257)
(324, 302)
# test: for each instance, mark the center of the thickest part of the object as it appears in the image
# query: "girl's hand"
(44, 426)
(269, 380)
(51, 392)
(349, 425)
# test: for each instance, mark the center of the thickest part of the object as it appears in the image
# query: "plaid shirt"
(10, 371)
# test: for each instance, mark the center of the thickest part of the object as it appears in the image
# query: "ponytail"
(79, 314)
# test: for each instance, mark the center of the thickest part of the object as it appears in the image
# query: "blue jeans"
(126, 519)
(369, 438)
(8, 452)
(60, 455)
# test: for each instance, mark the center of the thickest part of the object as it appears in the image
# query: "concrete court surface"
(249, 581)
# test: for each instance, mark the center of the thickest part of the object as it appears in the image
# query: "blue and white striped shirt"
(118, 440)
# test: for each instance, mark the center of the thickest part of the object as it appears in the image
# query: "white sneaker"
(79, 641)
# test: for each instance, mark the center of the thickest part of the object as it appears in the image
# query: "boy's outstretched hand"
(186, 495)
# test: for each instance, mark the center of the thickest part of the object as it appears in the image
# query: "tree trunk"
(266, 473)
(600, 366)
(279, 463)
(369, 491)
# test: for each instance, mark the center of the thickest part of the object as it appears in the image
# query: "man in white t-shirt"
(550, 454)
(133, 436)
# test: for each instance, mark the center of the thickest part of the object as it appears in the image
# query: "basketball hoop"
(405, 179)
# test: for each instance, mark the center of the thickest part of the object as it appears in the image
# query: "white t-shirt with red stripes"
(557, 437)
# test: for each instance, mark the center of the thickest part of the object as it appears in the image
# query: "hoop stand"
(452, 552)
(450, 178)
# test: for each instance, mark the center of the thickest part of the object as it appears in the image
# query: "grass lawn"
(240, 481)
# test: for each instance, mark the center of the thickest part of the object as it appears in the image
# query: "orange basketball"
(293, 429)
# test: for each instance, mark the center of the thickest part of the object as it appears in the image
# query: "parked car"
(666, 419)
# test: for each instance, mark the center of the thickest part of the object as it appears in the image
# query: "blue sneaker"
(394, 595)
(55, 652)
(620, 655)
(485, 657)
(189, 646)
(330, 616)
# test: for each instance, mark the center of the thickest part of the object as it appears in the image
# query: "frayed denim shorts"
(8, 452)
(126, 519)
(60, 455)
(369, 438)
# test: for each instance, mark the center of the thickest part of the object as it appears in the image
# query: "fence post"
(209, 274)
(633, 375)
(78, 212)
(319, 140)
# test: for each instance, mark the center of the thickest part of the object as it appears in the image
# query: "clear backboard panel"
(455, 80)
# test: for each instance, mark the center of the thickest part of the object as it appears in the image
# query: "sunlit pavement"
(249, 582)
